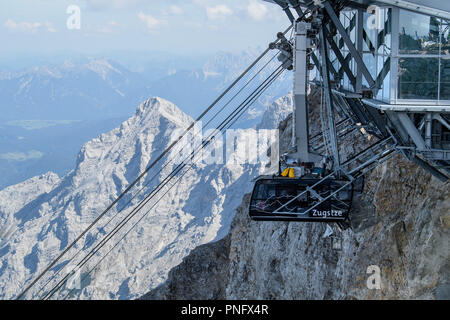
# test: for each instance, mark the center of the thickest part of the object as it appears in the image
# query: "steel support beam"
(348, 30)
(428, 129)
(286, 10)
(359, 47)
(411, 129)
(354, 52)
(346, 62)
(439, 118)
(328, 95)
(301, 130)
(342, 61)
(383, 73)
(296, 5)
(357, 110)
(336, 76)
(377, 119)
(425, 165)
(316, 62)
(402, 134)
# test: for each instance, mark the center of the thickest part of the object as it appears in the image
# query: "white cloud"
(194, 24)
(150, 21)
(176, 10)
(21, 156)
(31, 27)
(218, 12)
(49, 26)
(199, 2)
(256, 10)
(115, 4)
(110, 27)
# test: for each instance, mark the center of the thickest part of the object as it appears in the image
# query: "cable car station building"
(404, 72)
(384, 69)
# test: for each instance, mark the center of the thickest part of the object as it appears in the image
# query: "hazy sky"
(177, 26)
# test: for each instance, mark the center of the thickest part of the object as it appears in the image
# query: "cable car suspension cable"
(238, 111)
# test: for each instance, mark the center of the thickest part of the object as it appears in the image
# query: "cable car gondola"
(308, 199)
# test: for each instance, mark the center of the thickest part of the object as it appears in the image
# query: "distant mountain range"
(88, 88)
(47, 112)
(95, 89)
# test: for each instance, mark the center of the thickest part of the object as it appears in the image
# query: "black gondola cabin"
(303, 199)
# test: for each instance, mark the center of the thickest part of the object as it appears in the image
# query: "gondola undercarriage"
(305, 199)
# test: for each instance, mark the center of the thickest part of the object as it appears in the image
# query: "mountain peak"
(162, 107)
(103, 67)
(153, 116)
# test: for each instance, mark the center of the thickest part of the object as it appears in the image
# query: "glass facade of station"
(407, 54)
(424, 57)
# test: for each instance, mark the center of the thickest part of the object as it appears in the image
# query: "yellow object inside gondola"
(291, 173)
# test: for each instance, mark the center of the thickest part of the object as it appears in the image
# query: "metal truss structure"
(342, 54)
(361, 72)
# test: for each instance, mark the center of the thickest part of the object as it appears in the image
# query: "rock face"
(18, 196)
(276, 112)
(201, 275)
(405, 233)
(409, 243)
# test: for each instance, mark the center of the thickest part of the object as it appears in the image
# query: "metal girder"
(328, 95)
(428, 129)
(383, 73)
(439, 118)
(368, 42)
(359, 47)
(348, 30)
(387, 29)
(357, 5)
(296, 5)
(342, 61)
(336, 75)
(355, 54)
(377, 119)
(300, 113)
(380, 35)
(401, 133)
(316, 61)
(343, 128)
(357, 110)
(285, 7)
(411, 129)
(347, 61)
(431, 169)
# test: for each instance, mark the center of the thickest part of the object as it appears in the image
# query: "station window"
(418, 78)
(419, 34)
(445, 37)
(424, 57)
(445, 79)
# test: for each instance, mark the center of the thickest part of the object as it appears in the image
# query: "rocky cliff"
(404, 232)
